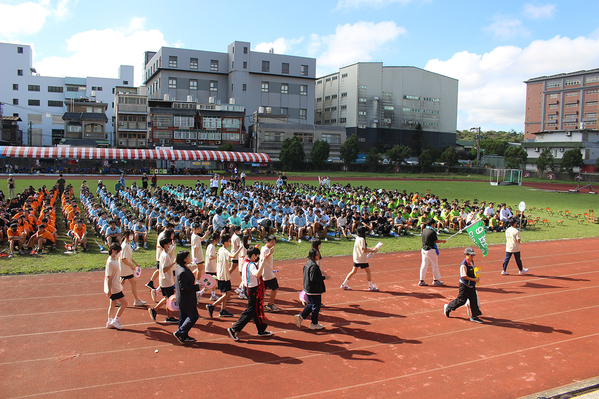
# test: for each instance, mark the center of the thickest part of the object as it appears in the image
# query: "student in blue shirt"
(140, 234)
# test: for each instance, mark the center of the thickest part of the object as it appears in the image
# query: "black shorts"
(211, 273)
(167, 291)
(224, 286)
(123, 278)
(157, 264)
(272, 284)
(116, 296)
(235, 261)
(362, 265)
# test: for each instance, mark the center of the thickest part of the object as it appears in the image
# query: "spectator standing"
(512, 247)
(11, 186)
(430, 253)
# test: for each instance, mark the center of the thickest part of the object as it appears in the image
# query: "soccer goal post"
(504, 177)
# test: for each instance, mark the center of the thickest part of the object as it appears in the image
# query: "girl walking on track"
(314, 288)
(113, 287)
(186, 289)
(361, 260)
(251, 276)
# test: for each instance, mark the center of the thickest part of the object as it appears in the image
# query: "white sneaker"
(523, 271)
(109, 324)
(504, 273)
(298, 320)
(345, 287)
(115, 323)
(316, 326)
(238, 290)
(213, 297)
(326, 239)
(373, 288)
(299, 240)
(242, 295)
(139, 303)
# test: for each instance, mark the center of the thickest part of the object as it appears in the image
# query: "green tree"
(418, 141)
(398, 154)
(372, 158)
(320, 153)
(545, 161)
(493, 147)
(292, 153)
(449, 156)
(514, 156)
(597, 165)
(225, 147)
(348, 153)
(571, 159)
(425, 160)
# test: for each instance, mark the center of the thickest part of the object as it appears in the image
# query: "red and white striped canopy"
(130, 153)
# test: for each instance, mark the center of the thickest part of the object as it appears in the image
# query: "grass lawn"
(481, 190)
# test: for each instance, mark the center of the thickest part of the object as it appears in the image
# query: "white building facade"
(40, 100)
(239, 76)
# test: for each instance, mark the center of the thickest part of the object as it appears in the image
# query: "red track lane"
(540, 333)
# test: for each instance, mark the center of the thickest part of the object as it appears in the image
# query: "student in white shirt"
(361, 260)
(223, 276)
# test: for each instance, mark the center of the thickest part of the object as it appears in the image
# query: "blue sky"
(491, 47)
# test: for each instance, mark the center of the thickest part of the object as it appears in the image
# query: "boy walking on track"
(467, 288)
(251, 276)
(223, 276)
(113, 287)
(270, 281)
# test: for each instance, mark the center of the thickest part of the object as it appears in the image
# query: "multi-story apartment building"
(566, 101)
(240, 76)
(40, 100)
(384, 104)
(85, 121)
(189, 124)
(131, 117)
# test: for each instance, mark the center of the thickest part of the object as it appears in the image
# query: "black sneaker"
(189, 340)
(446, 310)
(179, 338)
(225, 313)
(152, 313)
(476, 320)
(150, 285)
(171, 320)
(84, 249)
(264, 333)
(233, 334)
(210, 309)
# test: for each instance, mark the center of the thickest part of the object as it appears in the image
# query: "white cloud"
(100, 52)
(507, 28)
(352, 43)
(534, 11)
(491, 88)
(29, 18)
(280, 45)
(353, 4)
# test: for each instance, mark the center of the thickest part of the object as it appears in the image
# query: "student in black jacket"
(186, 298)
(314, 288)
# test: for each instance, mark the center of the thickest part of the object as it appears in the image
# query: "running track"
(541, 332)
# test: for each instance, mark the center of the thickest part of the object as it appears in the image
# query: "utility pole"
(477, 130)
(29, 133)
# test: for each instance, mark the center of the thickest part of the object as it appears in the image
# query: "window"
(592, 79)
(411, 110)
(305, 137)
(388, 108)
(435, 100)
(172, 61)
(162, 121)
(33, 87)
(327, 80)
(172, 83)
(326, 98)
(362, 113)
(245, 64)
(590, 115)
(552, 106)
(284, 111)
(265, 66)
(332, 138)
(34, 102)
(343, 107)
(573, 82)
(193, 84)
(75, 129)
(97, 110)
(55, 89)
(361, 126)
(125, 82)
(553, 116)
(387, 120)
(362, 87)
(555, 95)
(571, 105)
(274, 136)
(327, 110)
(303, 90)
(183, 121)
(430, 111)
(214, 65)
(284, 88)
(334, 96)
(555, 83)
(70, 88)
(52, 103)
(594, 91)
(319, 82)
(15, 101)
(333, 108)
(193, 63)
(232, 64)
(244, 87)
(89, 110)
(245, 50)
(231, 136)
(19, 72)
(343, 94)
(343, 75)
(303, 113)
(591, 103)
(19, 50)
(213, 85)
(362, 100)
(572, 94)
(304, 70)
(265, 87)
(411, 97)
(285, 68)
(334, 77)
(342, 120)
(15, 86)
(319, 99)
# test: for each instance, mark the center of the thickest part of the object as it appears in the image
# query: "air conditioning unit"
(561, 149)
(121, 123)
(200, 142)
(217, 142)
(361, 139)
(568, 134)
(187, 141)
(195, 143)
(536, 149)
(167, 141)
(122, 143)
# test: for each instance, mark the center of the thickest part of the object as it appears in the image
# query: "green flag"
(476, 231)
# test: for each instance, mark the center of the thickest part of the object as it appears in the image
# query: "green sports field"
(480, 190)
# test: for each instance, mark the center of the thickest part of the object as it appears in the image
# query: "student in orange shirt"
(15, 235)
(43, 237)
(79, 235)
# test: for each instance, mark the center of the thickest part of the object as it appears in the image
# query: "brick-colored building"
(566, 101)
